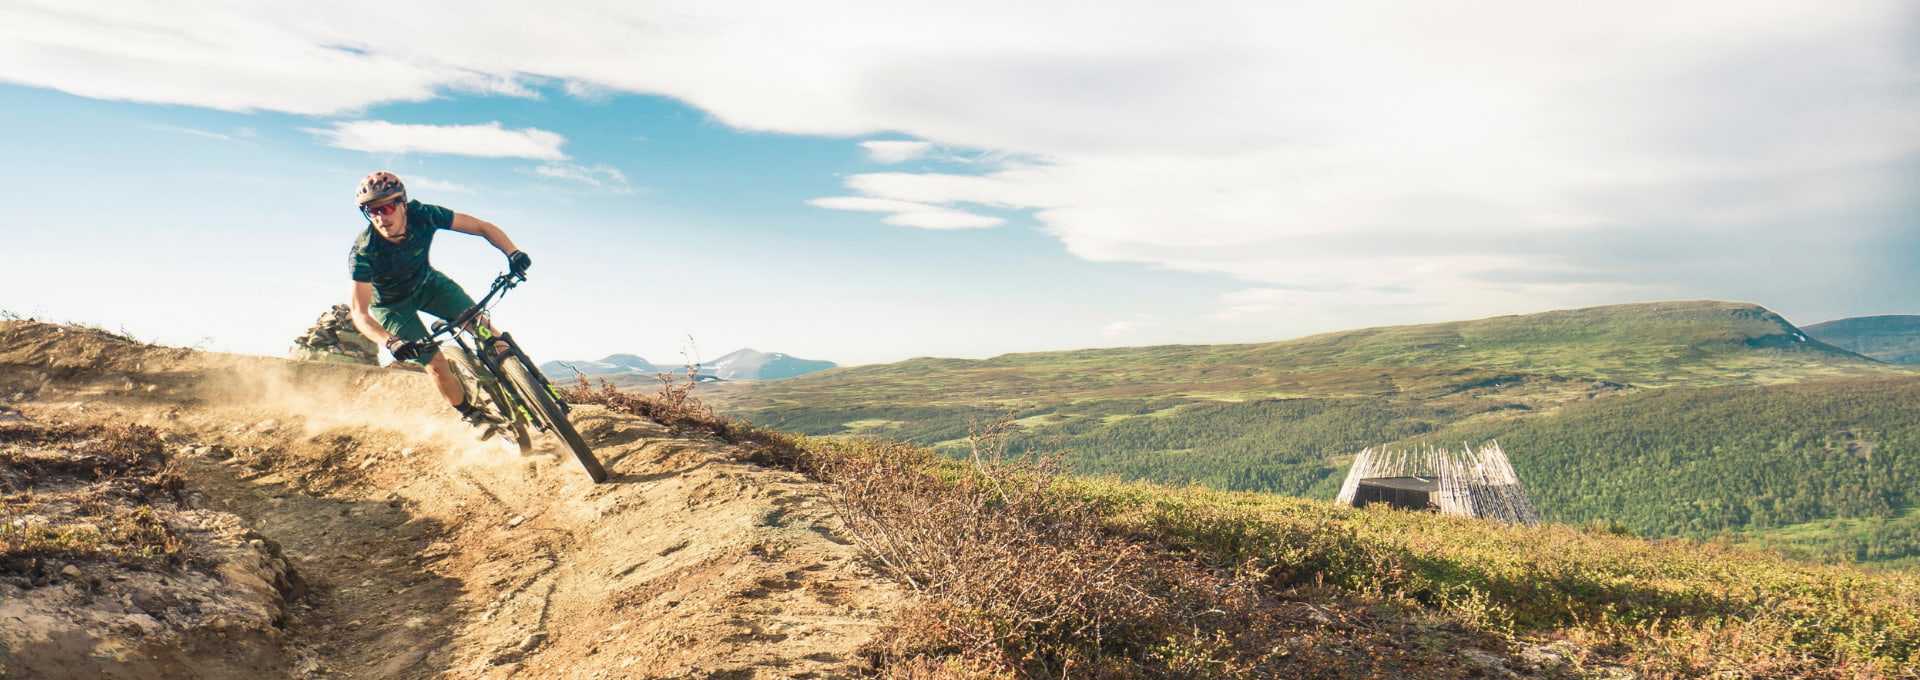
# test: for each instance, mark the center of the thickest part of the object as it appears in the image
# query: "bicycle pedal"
(485, 429)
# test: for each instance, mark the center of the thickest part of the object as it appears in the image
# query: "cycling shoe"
(484, 426)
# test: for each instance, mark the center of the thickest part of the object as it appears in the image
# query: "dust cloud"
(429, 554)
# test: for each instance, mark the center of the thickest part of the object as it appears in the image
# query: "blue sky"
(867, 182)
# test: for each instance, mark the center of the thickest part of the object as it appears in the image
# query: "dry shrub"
(1021, 581)
(1019, 577)
(73, 493)
(34, 451)
(1736, 649)
(675, 406)
(1659, 610)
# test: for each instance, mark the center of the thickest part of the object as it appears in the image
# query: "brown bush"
(1018, 578)
(675, 406)
(72, 493)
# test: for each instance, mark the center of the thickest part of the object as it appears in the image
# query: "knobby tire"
(468, 370)
(549, 410)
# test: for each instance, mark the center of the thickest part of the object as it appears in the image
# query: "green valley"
(1697, 419)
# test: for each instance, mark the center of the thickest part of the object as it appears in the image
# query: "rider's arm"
(468, 224)
(363, 315)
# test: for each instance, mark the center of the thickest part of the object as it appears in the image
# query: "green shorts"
(438, 295)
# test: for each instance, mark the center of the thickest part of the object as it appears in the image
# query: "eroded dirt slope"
(427, 554)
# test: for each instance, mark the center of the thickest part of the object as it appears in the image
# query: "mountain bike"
(500, 379)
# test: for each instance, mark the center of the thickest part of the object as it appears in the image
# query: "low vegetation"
(1027, 573)
(71, 494)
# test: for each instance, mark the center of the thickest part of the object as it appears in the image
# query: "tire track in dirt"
(430, 555)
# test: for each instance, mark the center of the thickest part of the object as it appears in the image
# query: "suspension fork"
(483, 351)
(514, 349)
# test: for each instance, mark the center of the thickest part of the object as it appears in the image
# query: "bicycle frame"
(517, 385)
(473, 322)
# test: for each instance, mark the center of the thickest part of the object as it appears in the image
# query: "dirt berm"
(342, 524)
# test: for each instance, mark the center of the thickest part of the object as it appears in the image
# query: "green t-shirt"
(396, 270)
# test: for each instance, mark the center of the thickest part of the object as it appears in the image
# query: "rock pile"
(333, 338)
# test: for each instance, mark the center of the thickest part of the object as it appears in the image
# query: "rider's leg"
(443, 298)
(445, 381)
(485, 426)
(402, 318)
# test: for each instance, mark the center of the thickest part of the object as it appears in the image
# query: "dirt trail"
(427, 554)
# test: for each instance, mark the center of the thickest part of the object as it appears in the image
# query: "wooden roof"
(1428, 484)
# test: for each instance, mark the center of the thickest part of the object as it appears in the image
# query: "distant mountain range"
(1893, 338)
(611, 365)
(745, 364)
(748, 364)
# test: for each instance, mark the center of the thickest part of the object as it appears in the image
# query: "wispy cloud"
(910, 214)
(1129, 328)
(489, 141)
(414, 184)
(238, 134)
(886, 151)
(1461, 152)
(1262, 302)
(599, 176)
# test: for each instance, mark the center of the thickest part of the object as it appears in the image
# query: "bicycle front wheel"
(485, 393)
(548, 410)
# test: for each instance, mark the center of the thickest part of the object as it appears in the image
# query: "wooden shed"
(1466, 483)
(1405, 493)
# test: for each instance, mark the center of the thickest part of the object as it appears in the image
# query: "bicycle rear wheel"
(548, 410)
(486, 394)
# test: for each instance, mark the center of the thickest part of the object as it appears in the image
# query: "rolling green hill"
(1648, 344)
(1743, 404)
(1893, 338)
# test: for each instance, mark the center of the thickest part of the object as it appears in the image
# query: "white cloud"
(487, 141)
(414, 184)
(1119, 329)
(598, 176)
(910, 214)
(200, 133)
(1440, 150)
(943, 219)
(866, 204)
(1129, 328)
(889, 152)
(1257, 303)
(221, 54)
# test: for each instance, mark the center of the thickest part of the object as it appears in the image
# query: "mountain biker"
(393, 282)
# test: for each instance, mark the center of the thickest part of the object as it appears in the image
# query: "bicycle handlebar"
(501, 284)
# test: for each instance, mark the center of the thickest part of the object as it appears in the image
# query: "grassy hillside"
(1648, 344)
(1125, 580)
(1894, 339)
(1680, 418)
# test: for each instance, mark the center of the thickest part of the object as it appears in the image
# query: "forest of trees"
(1703, 462)
(1698, 462)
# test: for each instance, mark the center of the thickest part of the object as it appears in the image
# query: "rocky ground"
(336, 521)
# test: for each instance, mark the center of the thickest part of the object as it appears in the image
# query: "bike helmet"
(380, 187)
